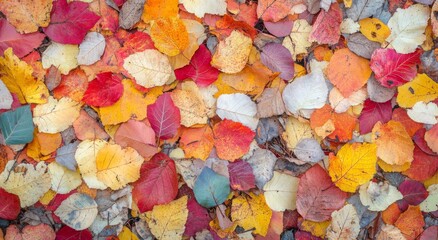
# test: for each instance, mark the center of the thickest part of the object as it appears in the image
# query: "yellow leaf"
(126, 234)
(298, 41)
(85, 156)
(232, 53)
(421, 88)
(393, 168)
(149, 68)
(27, 15)
(243, 81)
(154, 9)
(183, 58)
(315, 228)
(117, 167)
(296, 130)
(26, 181)
(251, 212)
(353, 165)
(130, 106)
(17, 76)
(170, 36)
(374, 29)
(167, 222)
(61, 56)
(63, 179)
(56, 116)
(47, 197)
(192, 108)
(394, 145)
(43, 144)
(347, 3)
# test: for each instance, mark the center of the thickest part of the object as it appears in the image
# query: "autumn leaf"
(10, 207)
(421, 88)
(197, 142)
(156, 9)
(104, 90)
(169, 35)
(27, 16)
(21, 44)
(326, 29)
(231, 139)
(251, 212)
(78, 211)
(281, 192)
(164, 117)
(211, 188)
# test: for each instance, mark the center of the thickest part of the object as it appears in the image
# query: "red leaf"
(158, 183)
(317, 196)
(241, 175)
(198, 218)
(232, 139)
(372, 113)
(164, 117)
(413, 192)
(67, 233)
(327, 27)
(21, 44)
(421, 143)
(104, 90)
(9, 205)
(393, 69)
(423, 166)
(70, 22)
(199, 69)
(137, 135)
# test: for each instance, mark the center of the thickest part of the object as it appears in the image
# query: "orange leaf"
(197, 142)
(411, 222)
(400, 115)
(170, 36)
(72, 85)
(27, 15)
(431, 138)
(232, 139)
(391, 214)
(86, 127)
(154, 9)
(336, 126)
(347, 71)
(43, 144)
(394, 145)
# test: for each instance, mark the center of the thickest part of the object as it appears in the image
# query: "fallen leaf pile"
(218, 119)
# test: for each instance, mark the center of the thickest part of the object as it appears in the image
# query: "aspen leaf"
(26, 181)
(411, 223)
(237, 107)
(86, 127)
(431, 138)
(197, 142)
(191, 106)
(164, 117)
(27, 16)
(296, 130)
(155, 9)
(78, 211)
(347, 71)
(281, 192)
(43, 145)
(374, 29)
(63, 179)
(22, 44)
(61, 56)
(430, 203)
(6, 97)
(149, 68)
(39, 232)
(201, 7)
(18, 78)
(211, 188)
(278, 59)
(117, 167)
(309, 150)
(407, 28)
(421, 88)
(232, 53)
(10, 206)
(341, 104)
(389, 232)
(297, 42)
(394, 145)
(241, 175)
(273, 10)
(137, 135)
(360, 9)
(85, 156)
(232, 139)
(345, 224)
(169, 35)
(56, 116)
(17, 126)
(91, 49)
(251, 212)
(353, 165)
(168, 221)
(126, 234)
(424, 113)
(104, 90)
(378, 196)
(327, 26)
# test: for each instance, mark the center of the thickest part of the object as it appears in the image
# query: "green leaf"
(17, 126)
(211, 189)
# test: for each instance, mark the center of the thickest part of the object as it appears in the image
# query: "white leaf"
(341, 104)
(61, 56)
(281, 192)
(430, 204)
(304, 93)
(237, 107)
(407, 28)
(56, 116)
(5, 97)
(424, 113)
(91, 49)
(344, 225)
(262, 163)
(63, 179)
(201, 7)
(297, 42)
(378, 196)
(149, 68)
(309, 150)
(377, 92)
(349, 26)
(29, 183)
(389, 232)
(78, 211)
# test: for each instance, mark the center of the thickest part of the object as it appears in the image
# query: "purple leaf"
(278, 59)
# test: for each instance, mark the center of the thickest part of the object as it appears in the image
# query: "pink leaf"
(277, 58)
(372, 113)
(158, 183)
(137, 135)
(164, 117)
(281, 28)
(9, 205)
(327, 27)
(393, 69)
(70, 22)
(317, 196)
(421, 143)
(413, 192)
(21, 44)
(198, 218)
(104, 90)
(199, 69)
(241, 175)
